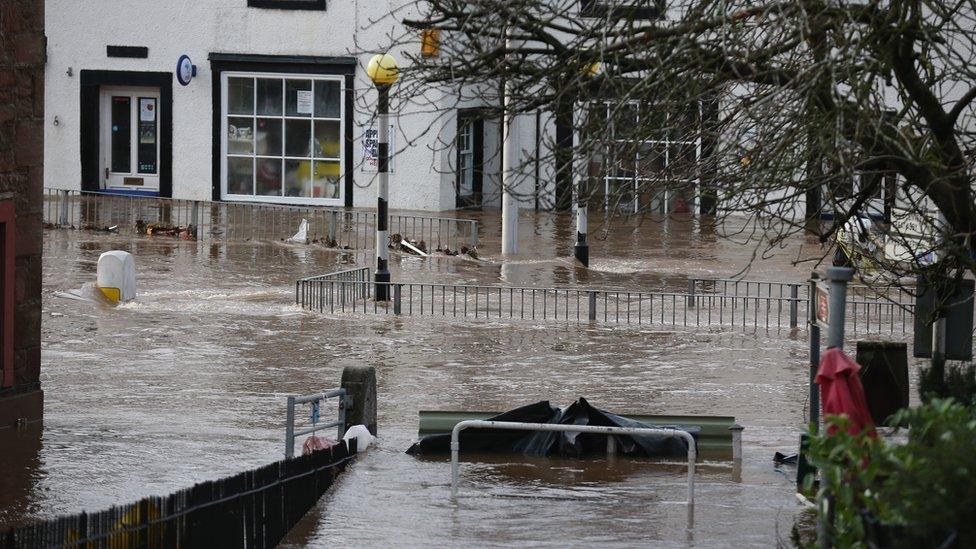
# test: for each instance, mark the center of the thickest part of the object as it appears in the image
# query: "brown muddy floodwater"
(188, 383)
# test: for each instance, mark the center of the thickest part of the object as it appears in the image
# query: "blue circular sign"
(185, 71)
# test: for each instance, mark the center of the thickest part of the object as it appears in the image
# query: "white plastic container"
(117, 276)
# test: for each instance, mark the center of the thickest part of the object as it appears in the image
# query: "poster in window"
(147, 135)
(147, 109)
(304, 102)
(371, 139)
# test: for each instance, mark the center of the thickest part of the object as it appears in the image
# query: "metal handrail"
(344, 401)
(562, 428)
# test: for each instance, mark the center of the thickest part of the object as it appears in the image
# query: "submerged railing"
(237, 221)
(352, 291)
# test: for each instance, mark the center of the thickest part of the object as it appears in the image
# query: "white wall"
(78, 33)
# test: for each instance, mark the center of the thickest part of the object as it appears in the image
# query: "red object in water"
(841, 392)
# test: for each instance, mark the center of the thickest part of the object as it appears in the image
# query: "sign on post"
(821, 304)
(371, 155)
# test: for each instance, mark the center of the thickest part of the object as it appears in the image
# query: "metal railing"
(293, 430)
(887, 293)
(351, 292)
(239, 221)
(565, 428)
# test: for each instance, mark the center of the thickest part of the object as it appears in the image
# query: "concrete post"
(591, 302)
(360, 384)
(382, 275)
(838, 277)
(582, 249)
(691, 293)
(63, 210)
(397, 299)
(195, 219)
(509, 161)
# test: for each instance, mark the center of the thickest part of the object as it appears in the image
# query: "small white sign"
(304, 102)
(371, 140)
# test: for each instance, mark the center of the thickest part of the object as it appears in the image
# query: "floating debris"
(158, 229)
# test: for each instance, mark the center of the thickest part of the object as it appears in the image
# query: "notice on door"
(147, 109)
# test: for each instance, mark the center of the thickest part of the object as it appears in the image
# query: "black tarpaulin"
(544, 443)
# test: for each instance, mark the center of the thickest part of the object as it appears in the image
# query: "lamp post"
(382, 70)
(582, 249)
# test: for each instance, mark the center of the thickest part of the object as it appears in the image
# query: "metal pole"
(290, 429)
(794, 305)
(814, 367)
(591, 305)
(382, 275)
(691, 292)
(509, 156)
(838, 277)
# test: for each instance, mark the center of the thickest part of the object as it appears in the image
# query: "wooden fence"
(252, 509)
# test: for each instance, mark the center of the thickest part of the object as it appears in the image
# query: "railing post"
(591, 305)
(290, 429)
(397, 299)
(691, 292)
(794, 304)
(473, 227)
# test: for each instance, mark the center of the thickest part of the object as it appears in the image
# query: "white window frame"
(311, 201)
(635, 182)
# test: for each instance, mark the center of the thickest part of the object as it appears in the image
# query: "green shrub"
(921, 493)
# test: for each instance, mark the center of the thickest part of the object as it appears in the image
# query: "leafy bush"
(920, 493)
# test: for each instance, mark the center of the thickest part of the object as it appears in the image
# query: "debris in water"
(158, 229)
(301, 237)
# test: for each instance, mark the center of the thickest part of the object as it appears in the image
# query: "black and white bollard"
(582, 249)
(382, 70)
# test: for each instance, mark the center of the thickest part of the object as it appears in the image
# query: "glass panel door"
(129, 143)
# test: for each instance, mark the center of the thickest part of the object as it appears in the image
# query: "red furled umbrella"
(841, 392)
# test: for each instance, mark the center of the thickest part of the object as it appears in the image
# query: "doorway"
(129, 141)
(470, 145)
(127, 132)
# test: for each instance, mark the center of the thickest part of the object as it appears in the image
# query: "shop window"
(623, 9)
(288, 4)
(282, 138)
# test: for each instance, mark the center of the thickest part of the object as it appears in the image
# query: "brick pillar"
(22, 58)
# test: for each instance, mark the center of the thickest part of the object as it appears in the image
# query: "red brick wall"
(22, 58)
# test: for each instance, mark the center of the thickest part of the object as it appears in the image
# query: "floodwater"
(188, 383)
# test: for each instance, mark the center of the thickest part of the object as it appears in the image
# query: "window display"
(282, 137)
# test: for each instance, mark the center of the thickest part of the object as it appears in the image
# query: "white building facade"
(276, 110)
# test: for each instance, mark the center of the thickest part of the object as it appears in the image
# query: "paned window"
(283, 138)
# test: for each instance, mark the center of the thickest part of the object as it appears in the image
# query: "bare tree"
(763, 106)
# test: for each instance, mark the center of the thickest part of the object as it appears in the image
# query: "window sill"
(283, 200)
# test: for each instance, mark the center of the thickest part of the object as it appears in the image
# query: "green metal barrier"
(720, 437)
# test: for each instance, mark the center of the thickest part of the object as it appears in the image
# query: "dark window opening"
(287, 4)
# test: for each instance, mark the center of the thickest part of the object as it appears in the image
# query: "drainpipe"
(509, 156)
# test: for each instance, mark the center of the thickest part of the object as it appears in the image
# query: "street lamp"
(383, 71)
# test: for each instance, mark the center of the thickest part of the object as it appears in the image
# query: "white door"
(130, 139)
